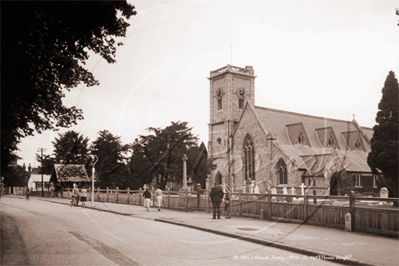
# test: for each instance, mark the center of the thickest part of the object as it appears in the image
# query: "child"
(83, 196)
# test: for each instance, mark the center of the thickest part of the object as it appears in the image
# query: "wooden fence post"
(352, 210)
(198, 199)
(98, 194)
(240, 203)
(269, 202)
(128, 194)
(117, 194)
(305, 208)
(107, 193)
(140, 190)
(168, 198)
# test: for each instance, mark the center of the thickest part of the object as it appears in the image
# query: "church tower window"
(219, 96)
(241, 96)
(240, 103)
(282, 171)
(249, 158)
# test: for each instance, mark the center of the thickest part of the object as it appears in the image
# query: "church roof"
(312, 141)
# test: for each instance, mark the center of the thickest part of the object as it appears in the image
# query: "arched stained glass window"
(249, 158)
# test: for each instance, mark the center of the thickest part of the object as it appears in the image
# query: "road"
(37, 232)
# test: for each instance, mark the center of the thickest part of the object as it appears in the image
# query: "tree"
(384, 143)
(160, 155)
(111, 166)
(17, 176)
(71, 148)
(44, 48)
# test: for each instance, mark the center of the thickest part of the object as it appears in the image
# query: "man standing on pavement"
(147, 199)
(216, 198)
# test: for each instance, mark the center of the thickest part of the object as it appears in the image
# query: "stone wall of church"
(249, 124)
(219, 83)
(266, 158)
(218, 140)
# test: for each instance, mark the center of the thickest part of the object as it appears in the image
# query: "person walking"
(27, 193)
(158, 194)
(147, 199)
(75, 195)
(83, 196)
(216, 195)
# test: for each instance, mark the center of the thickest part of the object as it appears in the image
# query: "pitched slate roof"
(69, 173)
(313, 154)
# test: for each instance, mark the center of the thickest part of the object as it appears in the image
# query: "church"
(266, 148)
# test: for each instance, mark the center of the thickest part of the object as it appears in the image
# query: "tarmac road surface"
(38, 232)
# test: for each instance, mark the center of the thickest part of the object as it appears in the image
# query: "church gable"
(327, 137)
(353, 140)
(297, 134)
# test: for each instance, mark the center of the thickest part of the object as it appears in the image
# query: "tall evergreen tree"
(111, 167)
(384, 143)
(71, 148)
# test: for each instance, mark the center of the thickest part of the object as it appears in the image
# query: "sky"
(316, 57)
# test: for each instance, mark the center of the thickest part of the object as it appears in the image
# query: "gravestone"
(293, 191)
(384, 192)
(302, 189)
(251, 187)
(285, 192)
(274, 190)
(256, 189)
(348, 222)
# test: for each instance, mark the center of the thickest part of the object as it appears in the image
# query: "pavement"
(313, 242)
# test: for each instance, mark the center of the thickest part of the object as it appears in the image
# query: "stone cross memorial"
(302, 189)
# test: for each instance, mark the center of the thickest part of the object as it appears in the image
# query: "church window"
(358, 144)
(218, 178)
(358, 181)
(219, 96)
(300, 138)
(331, 141)
(241, 96)
(282, 173)
(249, 158)
(220, 104)
(240, 103)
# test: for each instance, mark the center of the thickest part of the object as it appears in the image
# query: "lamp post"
(95, 159)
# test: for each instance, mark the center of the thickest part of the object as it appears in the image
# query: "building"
(269, 148)
(65, 175)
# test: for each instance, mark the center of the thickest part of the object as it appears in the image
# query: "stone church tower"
(230, 88)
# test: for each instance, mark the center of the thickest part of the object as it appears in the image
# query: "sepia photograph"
(199, 132)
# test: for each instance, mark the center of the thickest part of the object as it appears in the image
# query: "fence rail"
(369, 215)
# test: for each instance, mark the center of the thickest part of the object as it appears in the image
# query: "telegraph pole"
(41, 168)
